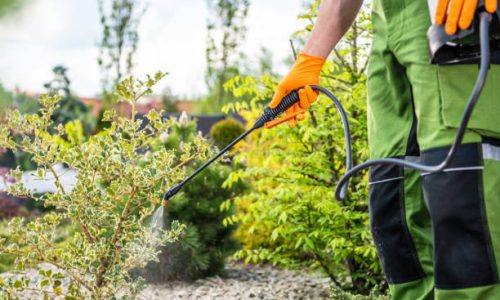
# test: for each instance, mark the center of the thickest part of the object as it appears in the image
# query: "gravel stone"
(245, 282)
(240, 281)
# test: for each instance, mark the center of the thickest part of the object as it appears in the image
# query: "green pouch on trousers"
(455, 86)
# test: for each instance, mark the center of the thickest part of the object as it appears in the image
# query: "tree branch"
(343, 61)
(56, 264)
(363, 68)
(316, 252)
(84, 228)
(103, 268)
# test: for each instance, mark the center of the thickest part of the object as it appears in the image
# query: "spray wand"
(268, 120)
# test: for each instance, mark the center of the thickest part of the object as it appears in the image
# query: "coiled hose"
(485, 20)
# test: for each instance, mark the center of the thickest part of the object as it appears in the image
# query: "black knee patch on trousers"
(463, 254)
(394, 244)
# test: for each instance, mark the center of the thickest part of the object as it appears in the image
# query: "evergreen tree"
(69, 108)
(119, 20)
(226, 32)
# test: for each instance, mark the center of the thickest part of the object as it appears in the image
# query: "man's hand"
(460, 13)
(304, 73)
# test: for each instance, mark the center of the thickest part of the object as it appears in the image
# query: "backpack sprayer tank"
(464, 46)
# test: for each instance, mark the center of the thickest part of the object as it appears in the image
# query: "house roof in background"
(144, 105)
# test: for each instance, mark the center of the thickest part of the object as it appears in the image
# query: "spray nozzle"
(171, 193)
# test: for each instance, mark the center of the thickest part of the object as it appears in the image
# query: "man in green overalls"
(437, 235)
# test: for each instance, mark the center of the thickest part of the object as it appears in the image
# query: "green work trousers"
(437, 235)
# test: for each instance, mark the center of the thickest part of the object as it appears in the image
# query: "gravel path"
(245, 282)
(240, 282)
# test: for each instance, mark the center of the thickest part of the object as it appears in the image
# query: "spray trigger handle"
(286, 118)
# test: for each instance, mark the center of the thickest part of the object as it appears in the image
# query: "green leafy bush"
(225, 131)
(117, 190)
(207, 243)
(290, 216)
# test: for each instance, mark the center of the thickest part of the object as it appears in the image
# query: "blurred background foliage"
(9, 6)
(226, 31)
(69, 108)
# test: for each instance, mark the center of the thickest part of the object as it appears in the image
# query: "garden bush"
(118, 188)
(226, 131)
(207, 243)
(290, 217)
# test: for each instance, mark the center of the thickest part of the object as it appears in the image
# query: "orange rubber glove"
(460, 13)
(304, 73)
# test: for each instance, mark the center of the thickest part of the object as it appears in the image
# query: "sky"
(172, 34)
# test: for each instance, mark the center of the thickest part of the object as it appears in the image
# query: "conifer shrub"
(206, 243)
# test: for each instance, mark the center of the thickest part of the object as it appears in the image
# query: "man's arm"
(334, 19)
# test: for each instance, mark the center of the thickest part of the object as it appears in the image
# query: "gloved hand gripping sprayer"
(478, 44)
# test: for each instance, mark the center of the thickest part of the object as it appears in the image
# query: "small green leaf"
(56, 283)
(309, 243)
(18, 284)
(44, 282)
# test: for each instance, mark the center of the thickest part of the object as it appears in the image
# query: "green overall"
(437, 235)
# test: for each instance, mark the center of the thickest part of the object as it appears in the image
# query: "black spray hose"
(481, 79)
(347, 137)
(269, 115)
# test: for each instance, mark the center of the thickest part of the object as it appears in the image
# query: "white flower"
(164, 136)
(184, 119)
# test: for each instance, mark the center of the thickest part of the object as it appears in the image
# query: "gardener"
(437, 235)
